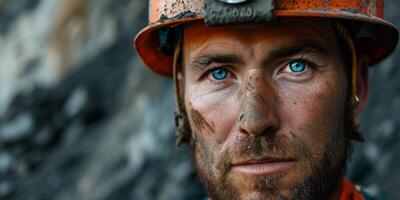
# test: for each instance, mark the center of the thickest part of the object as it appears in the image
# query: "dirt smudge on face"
(206, 156)
(254, 112)
(302, 147)
(249, 88)
(238, 96)
(260, 99)
(257, 109)
(200, 122)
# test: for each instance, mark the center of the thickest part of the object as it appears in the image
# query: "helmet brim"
(376, 48)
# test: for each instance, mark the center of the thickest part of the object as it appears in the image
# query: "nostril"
(269, 132)
(244, 131)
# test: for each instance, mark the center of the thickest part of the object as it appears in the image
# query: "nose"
(258, 105)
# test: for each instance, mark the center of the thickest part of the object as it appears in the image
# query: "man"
(268, 92)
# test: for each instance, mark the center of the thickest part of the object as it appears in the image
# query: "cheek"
(314, 112)
(219, 110)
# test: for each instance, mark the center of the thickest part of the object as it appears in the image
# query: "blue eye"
(297, 66)
(219, 73)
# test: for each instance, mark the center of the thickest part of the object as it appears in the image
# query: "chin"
(256, 195)
(259, 195)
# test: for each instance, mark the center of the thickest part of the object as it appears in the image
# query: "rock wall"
(82, 118)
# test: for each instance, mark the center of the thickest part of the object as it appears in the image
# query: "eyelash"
(208, 73)
(309, 65)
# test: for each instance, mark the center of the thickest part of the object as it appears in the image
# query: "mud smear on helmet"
(182, 15)
(255, 11)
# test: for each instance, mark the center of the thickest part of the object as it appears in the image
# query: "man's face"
(267, 107)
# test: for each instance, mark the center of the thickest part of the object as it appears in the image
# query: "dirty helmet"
(372, 35)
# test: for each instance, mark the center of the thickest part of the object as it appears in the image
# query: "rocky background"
(82, 118)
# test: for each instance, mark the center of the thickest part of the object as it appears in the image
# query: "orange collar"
(349, 191)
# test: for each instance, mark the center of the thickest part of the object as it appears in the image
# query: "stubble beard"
(321, 183)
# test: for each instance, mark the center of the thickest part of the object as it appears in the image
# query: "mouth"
(264, 166)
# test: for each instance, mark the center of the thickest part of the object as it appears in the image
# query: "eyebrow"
(207, 60)
(303, 47)
(300, 48)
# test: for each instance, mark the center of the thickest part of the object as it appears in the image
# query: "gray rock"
(5, 162)
(17, 129)
(76, 102)
(6, 189)
(82, 118)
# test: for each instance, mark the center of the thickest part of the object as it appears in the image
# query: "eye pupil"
(297, 66)
(219, 73)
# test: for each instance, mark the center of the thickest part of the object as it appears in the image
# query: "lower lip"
(264, 168)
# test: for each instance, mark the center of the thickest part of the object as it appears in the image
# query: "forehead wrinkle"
(218, 51)
(215, 44)
(200, 38)
(239, 40)
(309, 37)
(290, 48)
(289, 28)
(286, 37)
(318, 25)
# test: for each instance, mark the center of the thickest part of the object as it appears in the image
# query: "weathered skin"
(262, 110)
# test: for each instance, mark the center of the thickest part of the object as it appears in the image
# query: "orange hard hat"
(172, 13)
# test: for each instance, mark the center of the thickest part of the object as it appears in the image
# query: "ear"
(361, 84)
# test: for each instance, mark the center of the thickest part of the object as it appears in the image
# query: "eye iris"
(297, 66)
(219, 73)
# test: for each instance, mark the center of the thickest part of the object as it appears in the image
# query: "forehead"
(199, 36)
